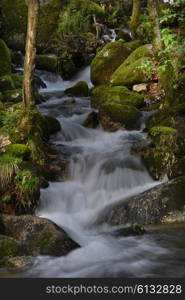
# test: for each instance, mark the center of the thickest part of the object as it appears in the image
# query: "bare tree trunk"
(154, 17)
(29, 63)
(134, 21)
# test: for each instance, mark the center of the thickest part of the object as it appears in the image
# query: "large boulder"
(164, 203)
(5, 59)
(107, 61)
(126, 115)
(40, 235)
(116, 94)
(132, 70)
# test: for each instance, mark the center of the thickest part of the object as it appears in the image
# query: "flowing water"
(102, 171)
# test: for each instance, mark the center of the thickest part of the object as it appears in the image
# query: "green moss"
(80, 89)
(117, 94)
(144, 32)
(6, 83)
(161, 156)
(127, 115)
(131, 46)
(18, 150)
(131, 74)
(158, 130)
(5, 59)
(10, 247)
(12, 96)
(107, 61)
(47, 62)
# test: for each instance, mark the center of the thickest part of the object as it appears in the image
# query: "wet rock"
(124, 34)
(47, 62)
(70, 101)
(53, 125)
(164, 203)
(40, 235)
(133, 230)
(107, 123)
(80, 89)
(38, 82)
(92, 120)
(107, 61)
(126, 115)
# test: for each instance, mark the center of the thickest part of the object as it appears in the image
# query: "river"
(102, 171)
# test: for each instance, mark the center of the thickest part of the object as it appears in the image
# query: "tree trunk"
(154, 18)
(134, 21)
(29, 63)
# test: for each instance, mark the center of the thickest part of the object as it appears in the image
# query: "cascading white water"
(102, 171)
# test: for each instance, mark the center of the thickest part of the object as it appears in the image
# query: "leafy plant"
(9, 167)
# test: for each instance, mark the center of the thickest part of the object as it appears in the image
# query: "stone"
(107, 61)
(80, 89)
(40, 235)
(92, 120)
(126, 115)
(130, 71)
(116, 94)
(47, 62)
(139, 88)
(162, 204)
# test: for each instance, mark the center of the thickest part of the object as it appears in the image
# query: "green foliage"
(9, 167)
(77, 18)
(27, 185)
(5, 59)
(18, 150)
(148, 68)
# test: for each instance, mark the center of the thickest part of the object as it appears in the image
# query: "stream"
(102, 172)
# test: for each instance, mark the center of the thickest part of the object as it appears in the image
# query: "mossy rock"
(133, 45)
(80, 89)
(18, 150)
(5, 59)
(132, 74)
(107, 61)
(116, 94)
(127, 115)
(161, 204)
(48, 62)
(40, 235)
(160, 157)
(10, 82)
(10, 247)
(160, 130)
(53, 125)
